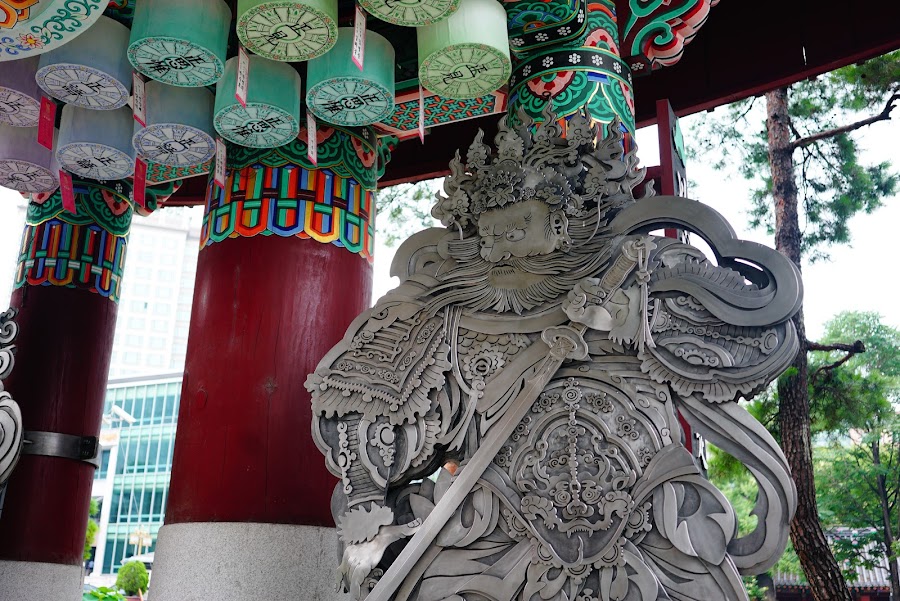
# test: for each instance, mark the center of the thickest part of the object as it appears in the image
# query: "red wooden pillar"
(67, 287)
(284, 269)
(266, 309)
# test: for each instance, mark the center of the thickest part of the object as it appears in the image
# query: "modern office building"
(132, 483)
(157, 292)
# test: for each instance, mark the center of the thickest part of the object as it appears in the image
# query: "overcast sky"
(858, 277)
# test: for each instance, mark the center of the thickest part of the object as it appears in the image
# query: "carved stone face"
(517, 231)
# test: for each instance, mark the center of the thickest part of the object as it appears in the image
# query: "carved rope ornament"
(544, 342)
(11, 433)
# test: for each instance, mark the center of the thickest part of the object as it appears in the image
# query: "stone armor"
(590, 493)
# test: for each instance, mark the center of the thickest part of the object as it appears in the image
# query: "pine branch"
(884, 115)
(851, 350)
(743, 115)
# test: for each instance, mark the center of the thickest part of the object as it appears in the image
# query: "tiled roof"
(877, 577)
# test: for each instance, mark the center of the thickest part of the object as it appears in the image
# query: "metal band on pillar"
(66, 446)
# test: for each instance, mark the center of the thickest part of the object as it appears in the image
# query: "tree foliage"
(833, 183)
(859, 473)
(133, 577)
(405, 209)
(92, 528)
(854, 405)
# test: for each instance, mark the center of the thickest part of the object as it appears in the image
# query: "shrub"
(103, 594)
(133, 577)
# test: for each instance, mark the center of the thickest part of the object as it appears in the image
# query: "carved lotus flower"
(502, 185)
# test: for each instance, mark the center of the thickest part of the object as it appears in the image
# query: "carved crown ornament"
(569, 171)
(11, 433)
(545, 342)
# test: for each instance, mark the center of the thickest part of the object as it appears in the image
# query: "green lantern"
(466, 55)
(272, 115)
(288, 30)
(180, 43)
(339, 93)
(179, 130)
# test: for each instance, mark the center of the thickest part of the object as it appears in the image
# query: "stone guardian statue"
(504, 424)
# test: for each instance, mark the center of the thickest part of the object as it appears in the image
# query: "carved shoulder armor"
(378, 398)
(386, 366)
(696, 347)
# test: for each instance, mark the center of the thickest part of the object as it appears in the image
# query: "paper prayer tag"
(359, 37)
(139, 99)
(243, 77)
(221, 163)
(312, 142)
(67, 189)
(46, 122)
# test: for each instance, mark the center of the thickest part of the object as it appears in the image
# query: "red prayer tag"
(67, 189)
(221, 163)
(243, 76)
(139, 99)
(422, 114)
(359, 37)
(46, 122)
(312, 142)
(140, 182)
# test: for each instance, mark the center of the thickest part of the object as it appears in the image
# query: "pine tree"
(810, 183)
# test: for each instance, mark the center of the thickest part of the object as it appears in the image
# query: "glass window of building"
(137, 471)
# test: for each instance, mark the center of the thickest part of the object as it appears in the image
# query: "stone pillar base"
(28, 580)
(229, 561)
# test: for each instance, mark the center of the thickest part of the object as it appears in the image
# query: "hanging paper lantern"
(92, 71)
(339, 93)
(180, 43)
(25, 165)
(466, 55)
(272, 115)
(20, 96)
(96, 145)
(179, 130)
(411, 13)
(282, 30)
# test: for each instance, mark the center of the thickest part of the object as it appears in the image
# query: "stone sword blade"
(560, 349)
